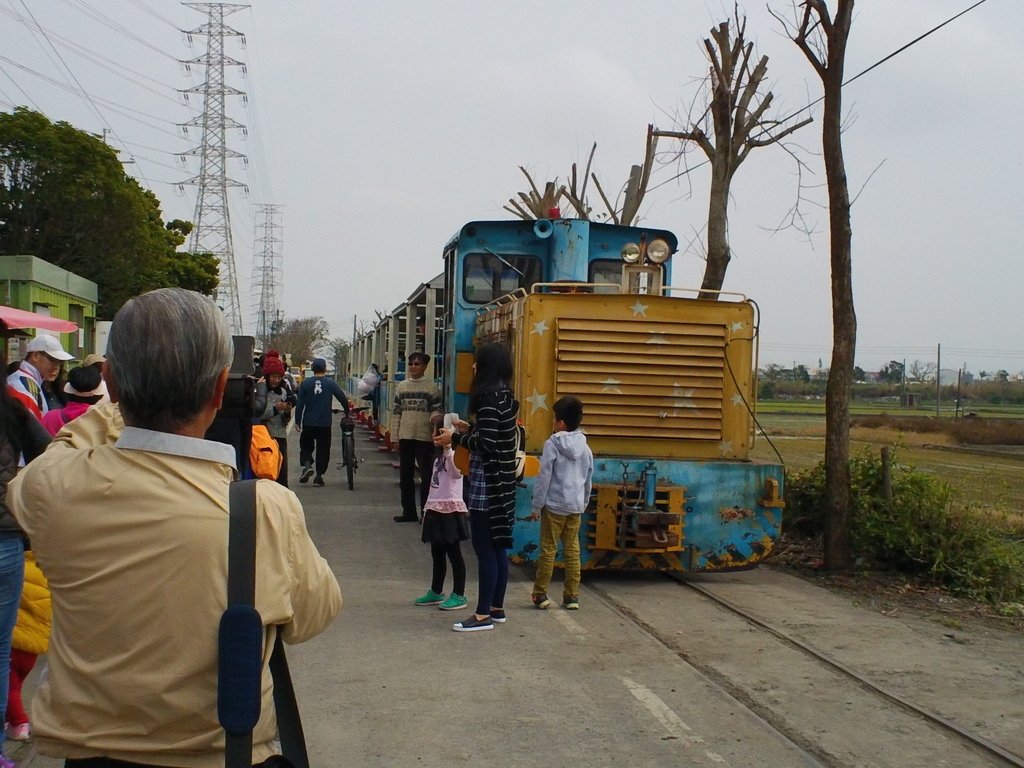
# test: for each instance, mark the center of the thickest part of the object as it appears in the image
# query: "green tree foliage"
(340, 350)
(199, 272)
(891, 373)
(65, 198)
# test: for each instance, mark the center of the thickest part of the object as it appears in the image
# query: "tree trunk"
(718, 225)
(838, 555)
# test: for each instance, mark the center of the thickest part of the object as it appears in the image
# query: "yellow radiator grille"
(649, 379)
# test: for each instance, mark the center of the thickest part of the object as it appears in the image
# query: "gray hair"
(165, 351)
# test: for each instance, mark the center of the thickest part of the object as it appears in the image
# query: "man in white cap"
(43, 358)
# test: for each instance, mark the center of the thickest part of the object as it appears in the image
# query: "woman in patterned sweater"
(491, 441)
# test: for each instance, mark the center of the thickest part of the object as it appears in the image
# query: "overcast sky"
(382, 127)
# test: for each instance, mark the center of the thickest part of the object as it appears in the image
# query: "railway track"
(824, 706)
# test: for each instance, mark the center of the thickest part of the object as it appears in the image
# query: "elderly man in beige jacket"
(136, 552)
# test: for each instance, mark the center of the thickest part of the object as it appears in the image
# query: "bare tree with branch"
(920, 372)
(301, 337)
(822, 38)
(737, 116)
(535, 205)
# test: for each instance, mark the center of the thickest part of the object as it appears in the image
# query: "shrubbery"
(925, 530)
(965, 431)
(975, 394)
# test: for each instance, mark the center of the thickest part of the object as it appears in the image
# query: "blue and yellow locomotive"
(667, 381)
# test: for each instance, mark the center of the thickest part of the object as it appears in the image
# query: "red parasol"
(12, 318)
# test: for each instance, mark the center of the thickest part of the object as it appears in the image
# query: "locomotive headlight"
(630, 253)
(658, 251)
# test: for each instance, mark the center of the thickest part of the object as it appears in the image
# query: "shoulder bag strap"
(289, 723)
(242, 592)
(240, 639)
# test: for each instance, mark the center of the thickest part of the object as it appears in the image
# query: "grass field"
(991, 478)
(863, 407)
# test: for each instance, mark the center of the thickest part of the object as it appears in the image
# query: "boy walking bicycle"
(560, 496)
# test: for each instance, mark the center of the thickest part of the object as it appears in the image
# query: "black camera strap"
(241, 648)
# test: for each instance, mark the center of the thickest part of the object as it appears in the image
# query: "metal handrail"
(574, 284)
(501, 300)
(669, 288)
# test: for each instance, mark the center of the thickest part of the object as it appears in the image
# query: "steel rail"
(979, 741)
(812, 758)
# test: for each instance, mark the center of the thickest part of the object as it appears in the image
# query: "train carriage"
(667, 381)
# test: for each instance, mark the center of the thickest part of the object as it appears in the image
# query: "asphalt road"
(643, 674)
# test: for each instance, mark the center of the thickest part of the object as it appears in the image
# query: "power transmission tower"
(212, 233)
(266, 272)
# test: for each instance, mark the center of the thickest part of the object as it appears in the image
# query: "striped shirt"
(494, 439)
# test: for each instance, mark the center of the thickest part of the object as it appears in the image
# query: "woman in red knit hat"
(278, 400)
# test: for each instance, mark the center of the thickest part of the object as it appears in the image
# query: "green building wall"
(29, 283)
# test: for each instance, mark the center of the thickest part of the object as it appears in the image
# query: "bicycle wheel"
(348, 448)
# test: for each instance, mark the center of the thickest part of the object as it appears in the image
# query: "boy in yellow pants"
(561, 494)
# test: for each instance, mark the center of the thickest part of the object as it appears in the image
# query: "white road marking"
(562, 616)
(669, 720)
(570, 624)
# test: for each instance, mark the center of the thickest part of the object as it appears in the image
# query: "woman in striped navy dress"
(492, 442)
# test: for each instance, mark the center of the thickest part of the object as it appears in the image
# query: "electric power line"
(80, 88)
(22, 90)
(878, 63)
(113, 105)
(82, 7)
(110, 65)
(143, 6)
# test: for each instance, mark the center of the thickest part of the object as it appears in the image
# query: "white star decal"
(612, 385)
(725, 447)
(657, 338)
(737, 398)
(640, 309)
(737, 326)
(538, 401)
(683, 396)
(540, 328)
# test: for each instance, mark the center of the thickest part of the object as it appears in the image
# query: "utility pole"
(212, 233)
(266, 271)
(938, 379)
(903, 384)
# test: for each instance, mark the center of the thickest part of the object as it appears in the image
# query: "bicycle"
(349, 462)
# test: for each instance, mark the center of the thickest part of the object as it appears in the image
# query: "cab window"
(486, 277)
(605, 271)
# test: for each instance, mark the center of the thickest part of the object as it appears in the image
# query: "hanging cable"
(112, 105)
(110, 65)
(878, 63)
(84, 8)
(143, 6)
(22, 90)
(80, 89)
